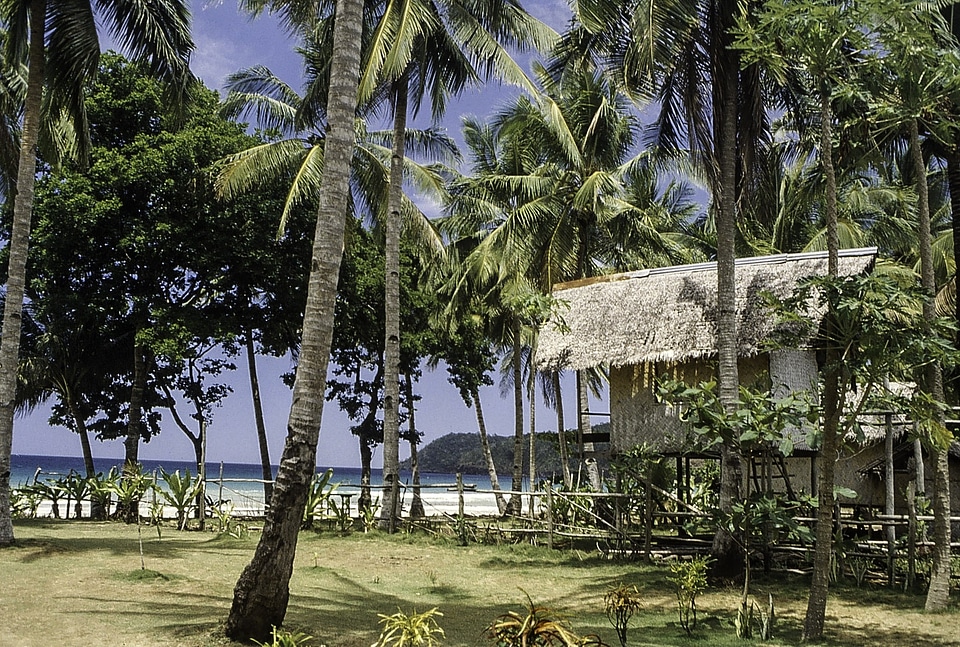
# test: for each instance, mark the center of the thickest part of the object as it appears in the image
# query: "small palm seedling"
(101, 493)
(538, 626)
(77, 488)
(24, 503)
(129, 490)
(51, 491)
(318, 498)
(180, 493)
(368, 515)
(620, 603)
(690, 580)
(414, 630)
(282, 638)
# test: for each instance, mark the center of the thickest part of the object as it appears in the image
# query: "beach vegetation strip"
(77, 582)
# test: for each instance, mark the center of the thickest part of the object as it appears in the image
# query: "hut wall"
(636, 417)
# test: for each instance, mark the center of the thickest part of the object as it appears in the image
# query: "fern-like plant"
(282, 638)
(180, 493)
(318, 498)
(413, 630)
(538, 626)
(620, 603)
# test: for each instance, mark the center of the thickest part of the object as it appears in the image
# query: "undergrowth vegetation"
(355, 589)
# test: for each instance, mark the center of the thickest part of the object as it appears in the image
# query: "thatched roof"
(670, 314)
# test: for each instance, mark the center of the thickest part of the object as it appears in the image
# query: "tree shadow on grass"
(182, 614)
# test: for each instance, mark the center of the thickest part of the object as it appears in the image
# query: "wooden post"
(912, 534)
(395, 504)
(918, 460)
(550, 516)
(890, 507)
(220, 491)
(460, 495)
(648, 520)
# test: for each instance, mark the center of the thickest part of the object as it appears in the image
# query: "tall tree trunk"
(262, 592)
(938, 595)
(416, 503)
(532, 395)
(366, 432)
(832, 400)
(725, 549)
(131, 444)
(953, 175)
(391, 348)
(562, 434)
(366, 459)
(97, 511)
(584, 427)
(17, 264)
(515, 507)
(266, 470)
(487, 454)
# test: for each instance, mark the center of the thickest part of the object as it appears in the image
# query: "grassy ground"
(80, 583)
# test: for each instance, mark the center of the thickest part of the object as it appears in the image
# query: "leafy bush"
(24, 503)
(282, 638)
(537, 627)
(620, 603)
(414, 630)
(690, 580)
(318, 498)
(180, 493)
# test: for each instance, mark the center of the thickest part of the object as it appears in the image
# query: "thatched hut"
(650, 323)
(646, 324)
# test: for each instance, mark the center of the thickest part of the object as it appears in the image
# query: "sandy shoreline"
(249, 503)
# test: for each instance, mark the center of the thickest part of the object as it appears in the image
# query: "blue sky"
(227, 41)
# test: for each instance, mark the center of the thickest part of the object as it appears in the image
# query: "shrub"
(620, 604)
(537, 627)
(414, 630)
(690, 580)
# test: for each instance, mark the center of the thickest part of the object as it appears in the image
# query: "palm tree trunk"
(832, 410)
(416, 503)
(17, 268)
(515, 507)
(131, 445)
(391, 380)
(487, 454)
(532, 396)
(584, 427)
(938, 594)
(366, 460)
(725, 550)
(953, 175)
(262, 592)
(266, 470)
(97, 511)
(562, 434)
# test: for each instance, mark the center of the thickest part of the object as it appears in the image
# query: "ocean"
(241, 484)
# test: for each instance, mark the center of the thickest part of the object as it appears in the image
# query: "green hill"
(461, 452)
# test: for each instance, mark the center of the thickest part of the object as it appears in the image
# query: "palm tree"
(422, 48)
(262, 592)
(276, 107)
(711, 110)
(557, 196)
(60, 44)
(920, 71)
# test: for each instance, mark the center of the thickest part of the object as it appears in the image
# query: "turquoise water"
(241, 481)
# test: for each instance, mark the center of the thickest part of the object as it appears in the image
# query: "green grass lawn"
(80, 583)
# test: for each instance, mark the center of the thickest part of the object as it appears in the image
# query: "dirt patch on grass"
(77, 583)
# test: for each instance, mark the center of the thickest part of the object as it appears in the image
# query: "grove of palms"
(806, 125)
